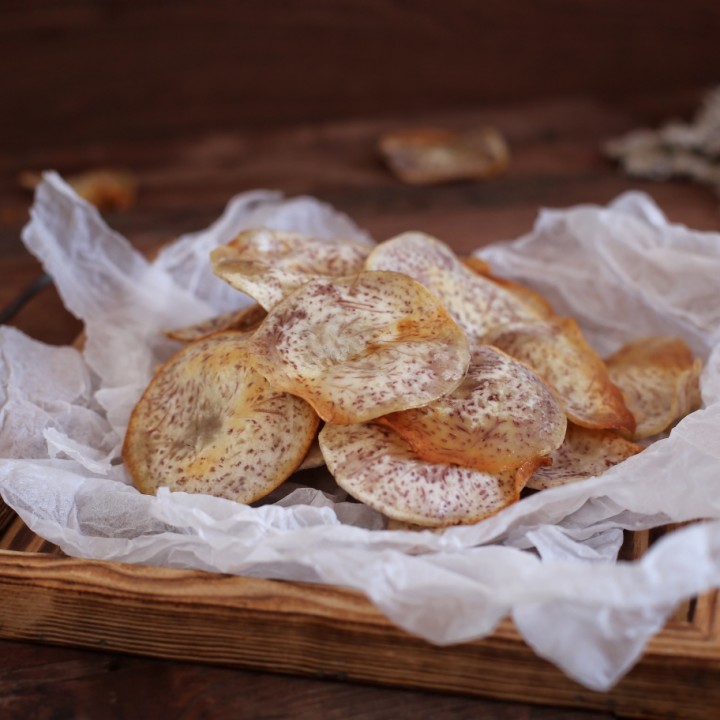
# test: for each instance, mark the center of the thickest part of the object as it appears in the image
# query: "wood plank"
(315, 630)
(108, 71)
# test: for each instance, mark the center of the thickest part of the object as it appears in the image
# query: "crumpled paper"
(548, 561)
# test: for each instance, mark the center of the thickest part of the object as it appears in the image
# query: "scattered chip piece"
(246, 320)
(659, 380)
(583, 454)
(361, 346)
(106, 189)
(427, 156)
(268, 264)
(376, 466)
(499, 417)
(474, 302)
(209, 423)
(557, 350)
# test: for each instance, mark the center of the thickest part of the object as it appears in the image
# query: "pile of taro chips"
(548, 561)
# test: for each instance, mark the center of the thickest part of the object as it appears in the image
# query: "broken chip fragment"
(209, 423)
(501, 416)
(268, 264)
(424, 156)
(361, 346)
(659, 379)
(376, 466)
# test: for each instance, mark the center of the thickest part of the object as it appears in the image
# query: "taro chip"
(529, 296)
(425, 156)
(268, 264)
(659, 380)
(476, 303)
(105, 188)
(558, 352)
(377, 467)
(246, 320)
(208, 423)
(499, 417)
(361, 346)
(313, 458)
(583, 454)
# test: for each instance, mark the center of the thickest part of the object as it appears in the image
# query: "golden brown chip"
(476, 264)
(474, 302)
(268, 264)
(313, 458)
(246, 320)
(499, 417)
(362, 346)
(583, 454)
(208, 423)
(376, 466)
(557, 350)
(659, 380)
(424, 156)
(529, 296)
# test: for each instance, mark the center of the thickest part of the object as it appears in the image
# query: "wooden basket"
(325, 631)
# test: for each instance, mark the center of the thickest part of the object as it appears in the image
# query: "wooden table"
(183, 185)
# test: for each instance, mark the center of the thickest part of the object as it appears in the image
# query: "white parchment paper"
(548, 561)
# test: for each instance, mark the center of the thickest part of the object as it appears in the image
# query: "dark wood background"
(204, 100)
(84, 71)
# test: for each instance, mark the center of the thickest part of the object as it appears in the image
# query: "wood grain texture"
(97, 685)
(104, 70)
(324, 632)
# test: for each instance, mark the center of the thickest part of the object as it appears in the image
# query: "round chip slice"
(474, 302)
(268, 264)
(209, 423)
(659, 380)
(557, 351)
(377, 467)
(499, 417)
(583, 454)
(362, 346)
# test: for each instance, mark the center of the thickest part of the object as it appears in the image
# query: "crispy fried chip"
(376, 466)
(557, 350)
(313, 458)
(246, 320)
(268, 264)
(424, 156)
(499, 417)
(529, 296)
(474, 302)
(476, 264)
(209, 423)
(659, 380)
(361, 346)
(583, 454)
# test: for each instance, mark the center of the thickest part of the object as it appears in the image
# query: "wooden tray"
(325, 631)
